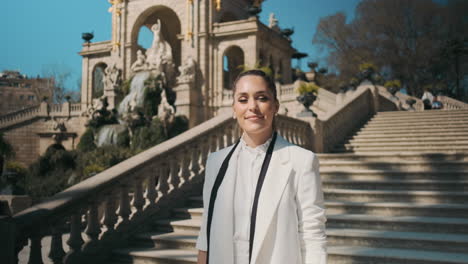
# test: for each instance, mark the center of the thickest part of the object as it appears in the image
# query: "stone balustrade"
(102, 211)
(43, 110)
(449, 103)
(399, 99)
(343, 120)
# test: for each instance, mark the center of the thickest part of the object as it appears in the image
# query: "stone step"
(408, 132)
(374, 174)
(411, 129)
(390, 157)
(399, 223)
(421, 113)
(404, 145)
(336, 255)
(178, 225)
(155, 256)
(383, 208)
(402, 165)
(395, 239)
(401, 149)
(335, 236)
(397, 209)
(173, 240)
(410, 118)
(415, 185)
(415, 124)
(433, 197)
(355, 254)
(405, 140)
(415, 135)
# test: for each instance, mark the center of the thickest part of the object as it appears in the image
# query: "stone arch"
(233, 60)
(97, 76)
(171, 28)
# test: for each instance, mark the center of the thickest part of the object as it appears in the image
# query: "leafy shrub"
(87, 141)
(102, 157)
(147, 136)
(50, 173)
(308, 87)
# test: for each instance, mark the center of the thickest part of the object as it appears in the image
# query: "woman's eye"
(242, 100)
(263, 98)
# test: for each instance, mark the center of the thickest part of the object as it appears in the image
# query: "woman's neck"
(257, 139)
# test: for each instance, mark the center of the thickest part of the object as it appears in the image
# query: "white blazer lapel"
(222, 226)
(275, 181)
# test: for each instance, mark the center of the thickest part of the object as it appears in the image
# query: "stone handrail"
(343, 120)
(400, 99)
(20, 114)
(449, 103)
(43, 110)
(100, 207)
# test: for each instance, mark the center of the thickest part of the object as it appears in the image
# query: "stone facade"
(203, 30)
(31, 133)
(18, 91)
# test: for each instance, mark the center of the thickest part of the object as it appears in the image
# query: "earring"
(234, 116)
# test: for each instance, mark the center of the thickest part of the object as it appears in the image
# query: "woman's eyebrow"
(259, 92)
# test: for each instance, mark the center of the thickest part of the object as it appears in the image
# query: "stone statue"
(273, 21)
(112, 77)
(159, 56)
(187, 71)
(165, 110)
(140, 63)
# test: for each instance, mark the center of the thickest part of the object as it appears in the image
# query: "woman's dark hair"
(269, 81)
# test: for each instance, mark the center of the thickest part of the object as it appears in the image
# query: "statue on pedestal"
(140, 64)
(111, 77)
(272, 21)
(187, 71)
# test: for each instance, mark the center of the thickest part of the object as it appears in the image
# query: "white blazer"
(291, 218)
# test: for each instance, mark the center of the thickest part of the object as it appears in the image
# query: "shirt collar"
(258, 149)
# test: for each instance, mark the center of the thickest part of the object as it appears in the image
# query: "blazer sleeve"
(202, 242)
(311, 213)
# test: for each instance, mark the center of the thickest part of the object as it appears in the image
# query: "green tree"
(407, 40)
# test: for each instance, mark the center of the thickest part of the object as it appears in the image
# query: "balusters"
(213, 142)
(173, 173)
(194, 161)
(184, 173)
(110, 218)
(220, 134)
(35, 255)
(56, 253)
(205, 149)
(151, 193)
(138, 200)
(93, 227)
(124, 206)
(228, 133)
(75, 240)
(163, 186)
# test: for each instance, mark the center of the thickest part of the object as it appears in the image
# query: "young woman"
(262, 196)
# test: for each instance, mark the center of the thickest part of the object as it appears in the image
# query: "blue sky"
(37, 34)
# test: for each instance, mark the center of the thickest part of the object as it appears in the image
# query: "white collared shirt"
(249, 164)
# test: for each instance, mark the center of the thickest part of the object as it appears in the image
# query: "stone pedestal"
(188, 102)
(110, 94)
(16, 203)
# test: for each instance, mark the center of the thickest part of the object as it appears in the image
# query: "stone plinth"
(16, 203)
(189, 103)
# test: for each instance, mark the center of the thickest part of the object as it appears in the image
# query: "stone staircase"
(397, 193)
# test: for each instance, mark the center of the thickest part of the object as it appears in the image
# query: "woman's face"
(254, 105)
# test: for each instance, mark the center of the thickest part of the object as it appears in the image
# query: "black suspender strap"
(258, 189)
(219, 180)
(214, 193)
